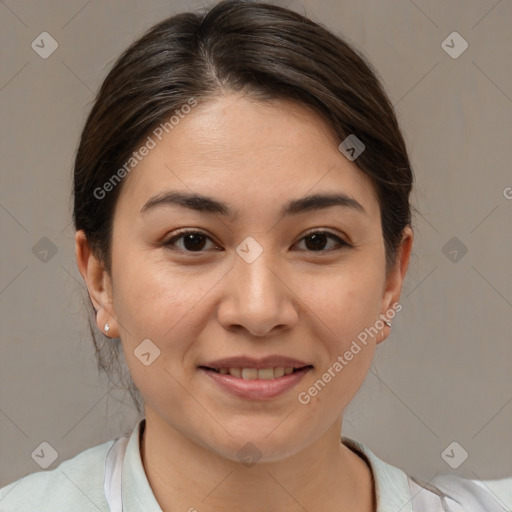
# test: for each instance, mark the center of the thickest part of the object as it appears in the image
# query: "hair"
(264, 51)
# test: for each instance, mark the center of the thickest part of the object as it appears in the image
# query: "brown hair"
(257, 48)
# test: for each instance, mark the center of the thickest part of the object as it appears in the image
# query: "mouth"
(251, 373)
(252, 379)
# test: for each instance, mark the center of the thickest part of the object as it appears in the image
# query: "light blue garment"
(113, 473)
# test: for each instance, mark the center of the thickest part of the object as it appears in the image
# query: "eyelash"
(169, 243)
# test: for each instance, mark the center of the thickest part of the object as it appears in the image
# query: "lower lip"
(257, 389)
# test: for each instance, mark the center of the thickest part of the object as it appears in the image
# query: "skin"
(292, 301)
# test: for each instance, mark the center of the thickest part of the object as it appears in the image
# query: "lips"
(256, 378)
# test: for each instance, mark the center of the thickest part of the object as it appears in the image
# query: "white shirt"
(113, 473)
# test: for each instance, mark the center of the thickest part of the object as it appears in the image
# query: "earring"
(107, 328)
(387, 323)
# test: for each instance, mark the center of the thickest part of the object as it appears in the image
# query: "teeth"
(235, 372)
(249, 373)
(279, 372)
(255, 373)
(265, 373)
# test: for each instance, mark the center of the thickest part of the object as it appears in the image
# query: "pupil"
(192, 241)
(318, 241)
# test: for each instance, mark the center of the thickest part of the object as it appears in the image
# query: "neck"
(186, 476)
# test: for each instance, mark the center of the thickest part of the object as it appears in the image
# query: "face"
(266, 278)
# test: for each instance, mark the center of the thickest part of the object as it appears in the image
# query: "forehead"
(246, 152)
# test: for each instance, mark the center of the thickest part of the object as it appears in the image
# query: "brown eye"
(193, 241)
(317, 241)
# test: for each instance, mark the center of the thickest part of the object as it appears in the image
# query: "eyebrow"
(207, 204)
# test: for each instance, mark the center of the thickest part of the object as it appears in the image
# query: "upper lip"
(251, 362)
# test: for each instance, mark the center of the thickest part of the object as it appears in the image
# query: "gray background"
(444, 374)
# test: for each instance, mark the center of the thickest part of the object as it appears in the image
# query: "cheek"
(157, 300)
(151, 292)
(348, 302)
(349, 307)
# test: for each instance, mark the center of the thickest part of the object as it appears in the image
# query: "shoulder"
(396, 490)
(76, 484)
(501, 489)
(463, 494)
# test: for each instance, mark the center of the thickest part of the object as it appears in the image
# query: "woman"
(244, 229)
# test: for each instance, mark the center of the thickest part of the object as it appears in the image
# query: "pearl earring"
(387, 323)
(107, 328)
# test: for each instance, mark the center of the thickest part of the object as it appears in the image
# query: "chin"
(261, 442)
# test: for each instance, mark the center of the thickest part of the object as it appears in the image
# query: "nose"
(259, 297)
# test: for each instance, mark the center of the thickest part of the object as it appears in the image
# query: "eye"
(316, 241)
(195, 241)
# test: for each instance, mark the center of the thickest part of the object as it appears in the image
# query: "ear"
(98, 283)
(395, 279)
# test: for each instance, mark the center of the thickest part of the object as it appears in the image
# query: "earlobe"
(98, 284)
